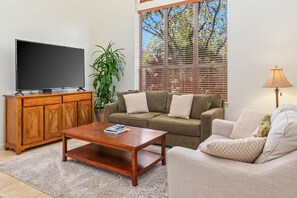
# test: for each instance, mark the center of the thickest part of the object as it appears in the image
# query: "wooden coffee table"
(123, 153)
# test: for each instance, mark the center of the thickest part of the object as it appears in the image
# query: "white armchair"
(193, 174)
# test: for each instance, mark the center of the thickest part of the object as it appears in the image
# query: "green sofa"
(181, 132)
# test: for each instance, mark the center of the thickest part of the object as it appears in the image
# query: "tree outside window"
(184, 48)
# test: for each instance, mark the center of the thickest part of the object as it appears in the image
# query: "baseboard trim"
(1, 146)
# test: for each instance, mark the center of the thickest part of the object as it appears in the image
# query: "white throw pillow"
(282, 137)
(243, 150)
(212, 138)
(246, 124)
(136, 103)
(181, 106)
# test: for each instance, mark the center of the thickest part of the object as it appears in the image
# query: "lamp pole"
(276, 96)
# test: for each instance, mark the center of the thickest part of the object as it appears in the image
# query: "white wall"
(76, 23)
(116, 21)
(261, 34)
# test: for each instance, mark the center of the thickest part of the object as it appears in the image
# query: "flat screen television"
(41, 66)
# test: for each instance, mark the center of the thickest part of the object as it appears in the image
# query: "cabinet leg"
(6, 147)
(18, 151)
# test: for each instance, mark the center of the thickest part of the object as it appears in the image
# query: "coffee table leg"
(134, 168)
(164, 150)
(64, 148)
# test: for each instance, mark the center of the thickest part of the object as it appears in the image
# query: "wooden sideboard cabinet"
(37, 119)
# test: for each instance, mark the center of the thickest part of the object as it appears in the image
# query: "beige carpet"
(45, 172)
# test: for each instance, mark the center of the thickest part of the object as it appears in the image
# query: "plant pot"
(99, 116)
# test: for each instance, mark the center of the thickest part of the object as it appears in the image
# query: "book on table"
(116, 129)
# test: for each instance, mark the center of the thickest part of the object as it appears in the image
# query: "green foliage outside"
(211, 34)
(194, 37)
(107, 67)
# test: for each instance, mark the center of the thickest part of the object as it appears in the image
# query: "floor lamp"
(277, 79)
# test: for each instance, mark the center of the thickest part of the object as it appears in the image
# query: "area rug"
(45, 172)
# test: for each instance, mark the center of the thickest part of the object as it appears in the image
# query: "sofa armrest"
(194, 174)
(206, 121)
(222, 127)
(110, 109)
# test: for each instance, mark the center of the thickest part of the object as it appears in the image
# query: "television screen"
(45, 66)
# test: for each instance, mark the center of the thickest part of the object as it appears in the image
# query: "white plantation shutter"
(184, 48)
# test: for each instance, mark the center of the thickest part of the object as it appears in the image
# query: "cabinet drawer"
(77, 97)
(28, 102)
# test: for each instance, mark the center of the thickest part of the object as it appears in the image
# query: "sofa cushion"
(180, 126)
(247, 123)
(282, 108)
(156, 101)
(181, 106)
(216, 100)
(137, 119)
(243, 150)
(282, 137)
(121, 100)
(136, 103)
(168, 102)
(213, 137)
(200, 104)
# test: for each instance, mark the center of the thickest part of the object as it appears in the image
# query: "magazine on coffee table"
(116, 129)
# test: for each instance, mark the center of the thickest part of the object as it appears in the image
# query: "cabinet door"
(53, 121)
(69, 115)
(32, 125)
(84, 112)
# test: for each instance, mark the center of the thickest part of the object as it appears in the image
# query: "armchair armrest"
(110, 109)
(194, 174)
(206, 121)
(222, 127)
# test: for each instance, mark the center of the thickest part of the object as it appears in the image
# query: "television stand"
(19, 93)
(36, 119)
(47, 90)
(81, 89)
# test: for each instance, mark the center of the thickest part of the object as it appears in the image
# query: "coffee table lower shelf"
(113, 159)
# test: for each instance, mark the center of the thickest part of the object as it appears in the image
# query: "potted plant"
(107, 67)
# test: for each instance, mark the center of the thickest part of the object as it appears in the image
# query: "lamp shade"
(277, 78)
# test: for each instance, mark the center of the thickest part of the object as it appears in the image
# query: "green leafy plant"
(107, 67)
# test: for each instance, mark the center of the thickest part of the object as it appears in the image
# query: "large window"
(184, 49)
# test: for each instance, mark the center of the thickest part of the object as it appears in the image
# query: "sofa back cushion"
(156, 101)
(248, 121)
(282, 137)
(201, 103)
(282, 108)
(121, 100)
(215, 99)
(168, 102)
